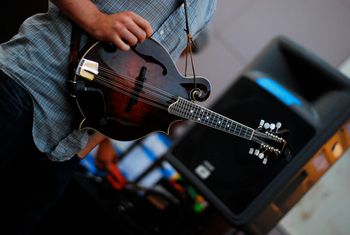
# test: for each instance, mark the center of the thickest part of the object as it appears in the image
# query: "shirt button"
(161, 32)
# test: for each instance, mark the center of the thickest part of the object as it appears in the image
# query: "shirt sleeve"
(171, 34)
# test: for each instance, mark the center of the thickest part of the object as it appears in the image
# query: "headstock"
(268, 137)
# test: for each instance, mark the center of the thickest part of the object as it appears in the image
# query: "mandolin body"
(125, 95)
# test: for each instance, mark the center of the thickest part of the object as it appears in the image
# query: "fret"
(211, 119)
(220, 121)
(202, 112)
(215, 121)
(240, 129)
(223, 119)
(200, 116)
(207, 116)
(248, 134)
(233, 126)
(229, 125)
(197, 112)
(243, 132)
(224, 122)
(189, 110)
(234, 130)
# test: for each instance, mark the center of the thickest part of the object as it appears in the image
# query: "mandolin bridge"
(137, 89)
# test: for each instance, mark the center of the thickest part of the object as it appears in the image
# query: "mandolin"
(126, 95)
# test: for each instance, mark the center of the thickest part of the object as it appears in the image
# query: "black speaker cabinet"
(286, 84)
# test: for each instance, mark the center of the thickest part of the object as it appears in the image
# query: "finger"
(120, 44)
(138, 32)
(128, 37)
(142, 23)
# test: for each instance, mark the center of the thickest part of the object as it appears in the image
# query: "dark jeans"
(29, 182)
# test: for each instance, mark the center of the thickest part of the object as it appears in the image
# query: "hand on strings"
(123, 29)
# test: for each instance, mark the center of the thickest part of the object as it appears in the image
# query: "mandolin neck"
(191, 111)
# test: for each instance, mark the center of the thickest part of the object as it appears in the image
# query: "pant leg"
(15, 122)
(30, 183)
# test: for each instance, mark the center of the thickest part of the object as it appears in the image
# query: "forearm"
(83, 12)
(122, 28)
(93, 141)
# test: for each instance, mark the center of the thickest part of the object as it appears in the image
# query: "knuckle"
(133, 41)
(129, 13)
(142, 36)
(118, 26)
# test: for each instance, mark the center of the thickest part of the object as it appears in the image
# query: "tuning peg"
(261, 124)
(256, 152)
(266, 125)
(272, 126)
(278, 126)
(251, 151)
(261, 155)
(265, 161)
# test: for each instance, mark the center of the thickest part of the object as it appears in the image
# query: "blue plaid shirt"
(37, 58)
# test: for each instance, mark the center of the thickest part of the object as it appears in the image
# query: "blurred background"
(240, 31)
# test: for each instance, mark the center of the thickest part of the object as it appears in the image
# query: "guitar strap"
(73, 58)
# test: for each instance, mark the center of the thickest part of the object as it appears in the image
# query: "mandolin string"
(113, 84)
(130, 92)
(127, 91)
(155, 89)
(111, 72)
(222, 121)
(144, 100)
(121, 86)
(145, 85)
(261, 134)
(151, 91)
(257, 140)
(217, 121)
